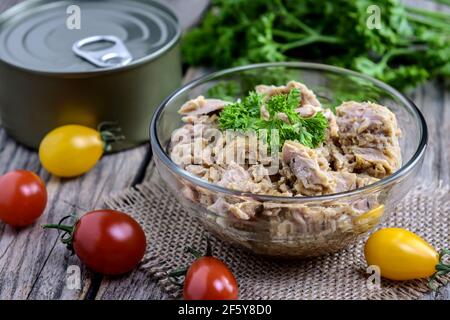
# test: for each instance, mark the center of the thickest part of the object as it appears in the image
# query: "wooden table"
(33, 265)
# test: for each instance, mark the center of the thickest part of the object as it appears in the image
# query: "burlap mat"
(342, 275)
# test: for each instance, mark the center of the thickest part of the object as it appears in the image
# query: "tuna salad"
(281, 141)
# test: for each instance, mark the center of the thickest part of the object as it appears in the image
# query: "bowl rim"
(403, 171)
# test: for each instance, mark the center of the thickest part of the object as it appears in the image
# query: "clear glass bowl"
(329, 223)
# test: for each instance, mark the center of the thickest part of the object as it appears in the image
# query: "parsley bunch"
(245, 115)
(411, 46)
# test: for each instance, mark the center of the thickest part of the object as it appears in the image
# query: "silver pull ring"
(116, 55)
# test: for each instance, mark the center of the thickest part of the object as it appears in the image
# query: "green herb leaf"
(411, 46)
(246, 115)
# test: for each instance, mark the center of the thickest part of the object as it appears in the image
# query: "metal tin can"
(86, 62)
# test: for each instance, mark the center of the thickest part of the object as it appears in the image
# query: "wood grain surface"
(34, 266)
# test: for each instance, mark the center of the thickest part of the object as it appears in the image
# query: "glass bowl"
(305, 226)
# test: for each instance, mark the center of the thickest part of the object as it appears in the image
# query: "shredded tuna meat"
(361, 147)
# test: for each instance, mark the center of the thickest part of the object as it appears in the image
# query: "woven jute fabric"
(341, 275)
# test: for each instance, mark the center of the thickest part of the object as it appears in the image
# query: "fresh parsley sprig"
(412, 45)
(245, 115)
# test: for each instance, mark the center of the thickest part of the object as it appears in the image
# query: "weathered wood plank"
(30, 265)
(428, 99)
(188, 12)
(114, 173)
(444, 172)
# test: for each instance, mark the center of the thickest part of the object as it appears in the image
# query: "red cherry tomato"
(23, 198)
(107, 241)
(210, 279)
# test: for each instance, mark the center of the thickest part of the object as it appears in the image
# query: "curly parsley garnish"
(246, 115)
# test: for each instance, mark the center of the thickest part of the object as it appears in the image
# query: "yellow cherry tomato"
(71, 150)
(401, 254)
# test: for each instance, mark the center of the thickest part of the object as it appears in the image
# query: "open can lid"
(79, 36)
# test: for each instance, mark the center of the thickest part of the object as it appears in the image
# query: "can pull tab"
(115, 55)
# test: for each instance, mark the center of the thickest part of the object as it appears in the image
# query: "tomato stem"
(110, 133)
(178, 272)
(61, 227)
(442, 268)
(67, 230)
(195, 253)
